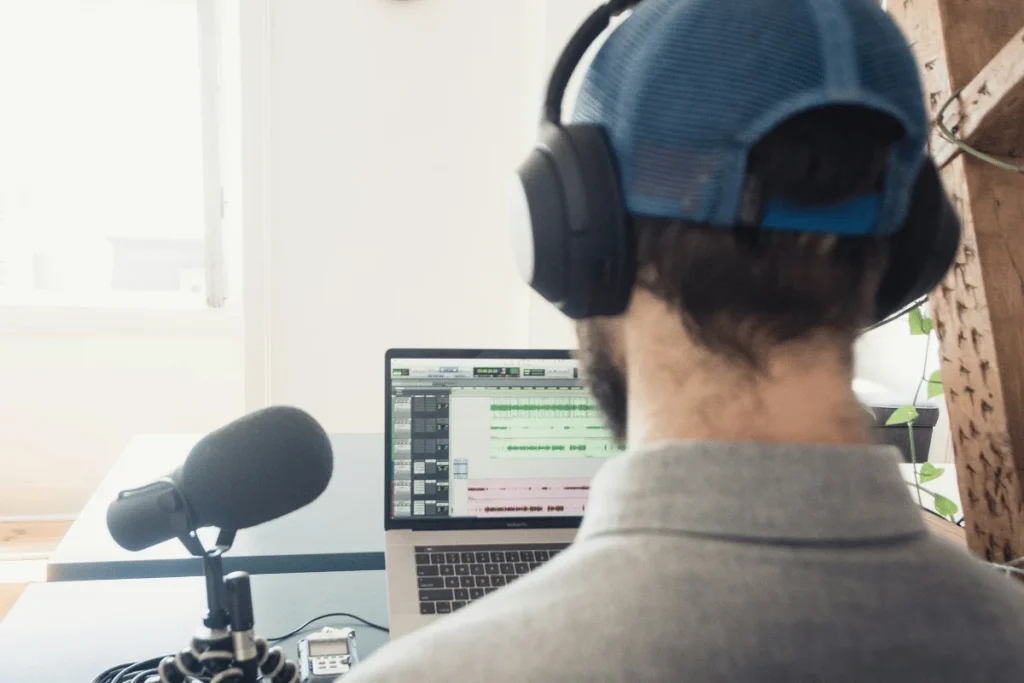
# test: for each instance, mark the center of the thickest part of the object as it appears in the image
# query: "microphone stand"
(226, 649)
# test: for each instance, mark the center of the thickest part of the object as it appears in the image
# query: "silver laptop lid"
(483, 439)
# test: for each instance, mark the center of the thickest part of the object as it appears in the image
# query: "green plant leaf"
(916, 320)
(935, 384)
(930, 472)
(927, 324)
(902, 416)
(945, 507)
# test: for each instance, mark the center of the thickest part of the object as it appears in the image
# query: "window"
(110, 181)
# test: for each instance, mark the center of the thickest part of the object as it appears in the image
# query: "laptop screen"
(490, 436)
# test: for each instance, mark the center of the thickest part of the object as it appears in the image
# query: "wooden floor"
(9, 594)
(24, 547)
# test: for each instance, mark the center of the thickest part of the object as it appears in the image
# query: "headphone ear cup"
(922, 251)
(603, 252)
(574, 245)
(539, 216)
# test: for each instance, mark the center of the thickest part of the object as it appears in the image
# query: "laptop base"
(402, 546)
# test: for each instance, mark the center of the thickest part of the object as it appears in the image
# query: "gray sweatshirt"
(736, 562)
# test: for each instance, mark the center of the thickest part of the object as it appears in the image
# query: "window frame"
(38, 313)
(209, 27)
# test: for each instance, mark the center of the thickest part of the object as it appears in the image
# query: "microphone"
(255, 469)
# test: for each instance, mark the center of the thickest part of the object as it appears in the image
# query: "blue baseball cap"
(686, 88)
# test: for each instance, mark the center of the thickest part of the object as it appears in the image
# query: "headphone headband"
(583, 38)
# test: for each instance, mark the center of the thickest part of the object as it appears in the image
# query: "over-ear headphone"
(574, 241)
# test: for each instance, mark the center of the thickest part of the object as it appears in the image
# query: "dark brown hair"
(743, 291)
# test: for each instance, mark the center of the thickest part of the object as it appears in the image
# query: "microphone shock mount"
(226, 650)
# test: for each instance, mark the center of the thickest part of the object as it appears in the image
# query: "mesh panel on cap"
(685, 88)
(679, 81)
(888, 72)
(881, 53)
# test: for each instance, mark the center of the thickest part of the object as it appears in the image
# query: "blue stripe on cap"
(857, 216)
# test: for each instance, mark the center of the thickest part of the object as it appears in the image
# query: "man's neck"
(680, 391)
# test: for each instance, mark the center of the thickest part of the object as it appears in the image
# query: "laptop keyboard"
(451, 577)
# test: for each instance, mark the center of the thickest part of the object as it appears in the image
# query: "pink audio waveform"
(525, 497)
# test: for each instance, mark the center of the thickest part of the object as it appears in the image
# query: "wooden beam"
(979, 307)
(922, 25)
(988, 112)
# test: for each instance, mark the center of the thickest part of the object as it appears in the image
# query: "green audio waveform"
(506, 407)
(546, 447)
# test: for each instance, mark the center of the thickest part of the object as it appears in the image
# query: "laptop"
(489, 457)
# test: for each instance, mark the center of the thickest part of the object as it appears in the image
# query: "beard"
(603, 377)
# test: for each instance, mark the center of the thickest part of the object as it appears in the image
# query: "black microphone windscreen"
(257, 468)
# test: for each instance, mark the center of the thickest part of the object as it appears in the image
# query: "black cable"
(107, 675)
(138, 672)
(329, 615)
(899, 314)
(129, 672)
(142, 676)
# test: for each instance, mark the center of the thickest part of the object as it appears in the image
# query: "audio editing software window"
(492, 438)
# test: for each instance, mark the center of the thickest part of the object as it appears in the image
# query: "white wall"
(376, 181)
(376, 176)
(77, 384)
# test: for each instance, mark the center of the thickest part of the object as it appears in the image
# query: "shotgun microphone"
(255, 469)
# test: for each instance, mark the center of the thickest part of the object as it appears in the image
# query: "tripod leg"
(273, 665)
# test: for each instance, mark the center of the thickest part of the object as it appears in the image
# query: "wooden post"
(978, 45)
